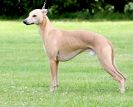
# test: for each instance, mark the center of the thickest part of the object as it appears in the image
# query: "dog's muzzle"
(26, 22)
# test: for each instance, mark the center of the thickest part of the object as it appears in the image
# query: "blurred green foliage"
(83, 9)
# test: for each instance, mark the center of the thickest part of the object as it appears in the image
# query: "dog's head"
(36, 16)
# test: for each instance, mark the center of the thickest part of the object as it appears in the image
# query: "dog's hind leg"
(105, 56)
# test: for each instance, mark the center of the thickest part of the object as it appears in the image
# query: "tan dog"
(63, 45)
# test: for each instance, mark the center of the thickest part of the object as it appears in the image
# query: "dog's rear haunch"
(63, 45)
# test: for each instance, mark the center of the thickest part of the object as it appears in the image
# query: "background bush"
(82, 9)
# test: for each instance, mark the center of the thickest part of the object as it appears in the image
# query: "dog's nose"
(25, 22)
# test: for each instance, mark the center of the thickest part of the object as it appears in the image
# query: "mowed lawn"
(25, 76)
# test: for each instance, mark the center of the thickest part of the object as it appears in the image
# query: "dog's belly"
(65, 56)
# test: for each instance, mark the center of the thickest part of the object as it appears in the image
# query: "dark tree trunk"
(1, 6)
(119, 6)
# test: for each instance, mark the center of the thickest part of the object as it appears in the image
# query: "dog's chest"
(64, 56)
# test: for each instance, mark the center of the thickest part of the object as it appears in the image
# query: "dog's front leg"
(54, 71)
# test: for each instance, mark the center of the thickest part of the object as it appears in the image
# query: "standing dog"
(63, 45)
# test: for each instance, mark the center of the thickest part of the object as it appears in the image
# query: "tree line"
(22, 7)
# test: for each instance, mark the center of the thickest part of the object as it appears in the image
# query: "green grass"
(25, 76)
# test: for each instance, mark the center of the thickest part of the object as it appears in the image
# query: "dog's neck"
(45, 27)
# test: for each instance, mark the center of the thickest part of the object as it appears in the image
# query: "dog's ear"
(45, 11)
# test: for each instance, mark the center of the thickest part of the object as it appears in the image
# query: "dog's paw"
(122, 90)
(53, 89)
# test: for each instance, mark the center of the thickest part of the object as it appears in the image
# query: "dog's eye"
(34, 15)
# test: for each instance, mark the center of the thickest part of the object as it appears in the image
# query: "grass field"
(25, 76)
